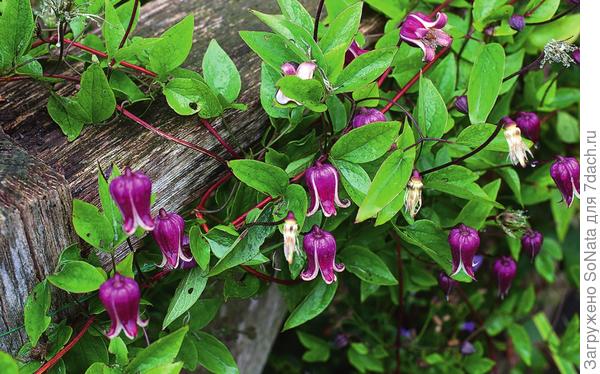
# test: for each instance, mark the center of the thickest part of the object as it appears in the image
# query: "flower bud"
(517, 149)
(168, 234)
(366, 116)
(529, 124)
(513, 221)
(290, 237)
(575, 56)
(565, 173)
(462, 104)
(446, 283)
(517, 22)
(464, 242)
(322, 180)
(413, 195)
(131, 192)
(341, 341)
(353, 52)
(531, 242)
(505, 269)
(468, 326)
(420, 30)
(320, 248)
(121, 297)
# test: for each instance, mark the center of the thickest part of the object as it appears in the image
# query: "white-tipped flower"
(413, 196)
(290, 237)
(517, 149)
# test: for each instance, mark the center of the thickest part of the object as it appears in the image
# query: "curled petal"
(306, 70)
(312, 264)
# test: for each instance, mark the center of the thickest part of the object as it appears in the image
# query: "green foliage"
(78, 277)
(187, 293)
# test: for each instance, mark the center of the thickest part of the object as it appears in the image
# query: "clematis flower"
(185, 265)
(575, 56)
(132, 191)
(461, 104)
(366, 116)
(531, 242)
(413, 196)
(517, 149)
(468, 326)
(290, 237)
(120, 296)
(467, 348)
(168, 233)
(322, 180)
(446, 284)
(565, 172)
(477, 262)
(320, 247)
(304, 71)
(505, 269)
(353, 52)
(529, 124)
(464, 242)
(420, 30)
(517, 22)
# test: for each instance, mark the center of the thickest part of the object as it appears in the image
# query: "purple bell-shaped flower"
(462, 104)
(121, 298)
(505, 269)
(464, 242)
(353, 52)
(531, 242)
(366, 116)
(422, 31)
(517, 22)
(565, 172)
(132, 191)
(169, 235)
(446, 283)
(320, 247)
(529, 124)
(322, 180)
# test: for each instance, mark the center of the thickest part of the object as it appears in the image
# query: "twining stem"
(224, 143)
(136, 4)
(317, 19)
(530, 12)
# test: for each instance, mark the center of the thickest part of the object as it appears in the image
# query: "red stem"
(214, 132)
(440, 7)
(130, 25)
(530, 12)
(57, 76)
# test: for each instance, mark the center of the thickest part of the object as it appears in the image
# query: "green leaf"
(174, 368)
(7, 364)
(36, 312)
(562, 214)
(261, 176)
(546, 332)
(220, 72)
(199, 247)
(521, 341)
(485, 82)
(268, 90)
(172, 48)
(337, 113)
(214, 355)
(355, 179)
(92, 226)
(296, 202)
(187, 293)
(366, 265)
(296, 13)
(16, 30)
(162, 351)
(101, 368)
(62, 111)
(313, 304)
(78, 277)
(308, 92)
(317, 349)
(273, 49)
(475, 213)
(189, 96)
(543, 12)
(432, 112)
(125, 87)
(364, 69)
(460, 182)
(112, 28)
(511, 177)
(338, 37)
(366, 143)
(478, 365)
(109, 207)
(95, 96)
(526, 302)
(118, 348)
(567, 128)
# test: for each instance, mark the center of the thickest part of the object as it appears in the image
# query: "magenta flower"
(464, 242)
(168, 233)
(565, 172)
(461, 104)
(529, 124)
(132, 191)
(446, 283)
(505, 269)
(303, 71)
(517, 22)
(531, 242)
(185, 265)
(422, 31)
(477, 262)
(121, 298)
(290, 237)
(366, 116)
(576, 57)
(320, 247)
(322, 180)
(353, 52)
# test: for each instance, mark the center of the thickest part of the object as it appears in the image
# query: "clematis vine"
(169, 235)
(517, 149)
(505, 269)
(322, 180)
(132, 191)
(529, 124)
(353, 52)
(420, 30)
(464, 242)
(366, 116)
(121, 296)
(290, 237)
(304, 71)
(565, 173)
(320, 248)
(413, 196)
(531, 242)
(446, 283)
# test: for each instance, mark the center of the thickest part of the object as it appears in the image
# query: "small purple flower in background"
(575, 56)
(446, 283)
(341, 340)
(422, 31)
(353, 52)
(517, 22)
(303, 71)
(290, 237)
(467, 348)
(464, 242)
(529, 124)
(477, 262)
(462, 104)
(565, 172)
(505, 269)
(168, 233)
(413, 198)
(320, 248)
(366, 116)
(517, 149)
(468, 326)
(132, 191)
(531, 242)
(121, 297)
(322, 180)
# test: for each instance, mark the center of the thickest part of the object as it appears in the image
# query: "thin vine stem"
(317, 19)
(217, 136)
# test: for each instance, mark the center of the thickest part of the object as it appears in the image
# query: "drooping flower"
(322, 180)
(575, 56)
(132, 191)
(462, 104)
(422, 31)
(565, 172)
(303, 71)
(290, 237)
(529, 124)
(477, 262)
(464, 242)
(168, 233)
(120, 296)
(413, 196)
(505, 269)
(467, 348)
(468, 326)
(183, 264)
(320, 247)
(353, 52)
(517, 22)
(517, 149)
(366, 116)
(446, 283)
(531, 242)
